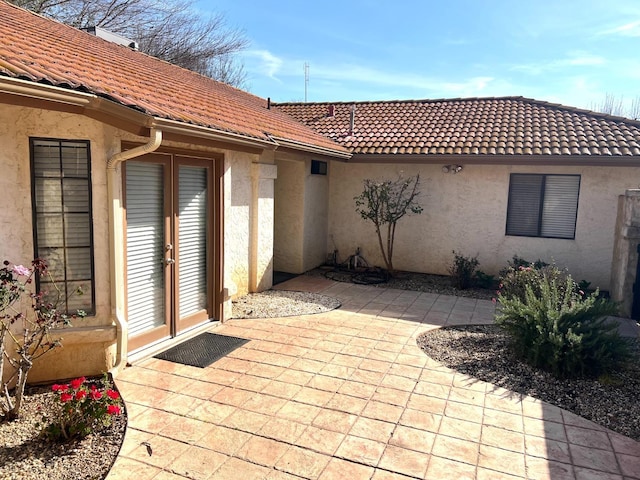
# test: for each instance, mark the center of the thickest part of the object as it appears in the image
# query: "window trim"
(34, 214)
(541, 208)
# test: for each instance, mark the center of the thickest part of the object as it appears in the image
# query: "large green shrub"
(556, 329)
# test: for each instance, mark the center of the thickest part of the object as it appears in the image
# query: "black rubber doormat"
(203, 350)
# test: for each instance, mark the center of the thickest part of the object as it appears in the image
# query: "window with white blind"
(62, 226)
(543, 205)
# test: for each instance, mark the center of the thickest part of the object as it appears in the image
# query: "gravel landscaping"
(282, 303)
(482, 351)
(26, 455)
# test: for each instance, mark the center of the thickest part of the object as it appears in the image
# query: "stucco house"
(166, 194)
(500, 177)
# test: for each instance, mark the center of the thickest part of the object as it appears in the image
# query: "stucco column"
(625, 251)
(263, 177)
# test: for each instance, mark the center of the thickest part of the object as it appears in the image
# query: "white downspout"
(115, 243)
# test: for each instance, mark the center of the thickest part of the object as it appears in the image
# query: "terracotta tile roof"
(41, 50)
(471, 126)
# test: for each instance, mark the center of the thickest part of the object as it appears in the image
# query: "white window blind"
(192, 238)
(61, 191)
(145, 246)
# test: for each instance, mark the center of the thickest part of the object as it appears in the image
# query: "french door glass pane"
(192, 239)
(145, 246)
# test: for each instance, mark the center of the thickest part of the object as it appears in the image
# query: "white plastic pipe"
(115, 243)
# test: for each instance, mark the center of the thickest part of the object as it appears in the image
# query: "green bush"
(462, 269)
(484, 280)
(554, 328)
(514, 280)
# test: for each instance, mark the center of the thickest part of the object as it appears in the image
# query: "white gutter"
(26, 88)
(172, 126)
(307, 147)
(116, 248)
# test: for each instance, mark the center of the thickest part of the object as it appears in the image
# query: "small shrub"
(462, 270)
(484, 280)
(554, 328)
(82, 407)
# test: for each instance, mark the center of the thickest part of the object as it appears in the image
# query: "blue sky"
(564, 51)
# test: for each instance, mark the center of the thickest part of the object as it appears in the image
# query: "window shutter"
(560, 206)
(145, 246)
(525, 195)
(192, 238)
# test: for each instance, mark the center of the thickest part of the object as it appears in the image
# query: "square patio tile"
(501, 460)
(440, 468)
(547, 448)
(412, 439)
(371, 429)
(298, 412)
(407, 462)
(346, 403)
(542, 469)
(302, 462)
(456, 449)
(197, 463)
(245, 420)
(338, 469)
(382, 411)
(283, 430)
(594, 458)
(360, 450)
(340, 422)
(224, 440)
(262, 451)
(320, 440)
(229, 470)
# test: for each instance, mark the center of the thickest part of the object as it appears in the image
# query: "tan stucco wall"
(467, 212)
(17, 124)
(289, 216)
(301, 215)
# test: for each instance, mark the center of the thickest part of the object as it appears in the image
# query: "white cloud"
(575, 59)
(631, 29)
(268, 64)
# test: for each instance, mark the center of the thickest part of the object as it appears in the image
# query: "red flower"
(65, 397)
(80, 394)
(113, 410)
(75, 384)
(58, 388)
(95, 395)
(113, 394)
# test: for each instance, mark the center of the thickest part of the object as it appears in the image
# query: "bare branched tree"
(614, 105)
(172, 30)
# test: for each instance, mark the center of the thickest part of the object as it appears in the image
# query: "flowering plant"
(26, 321)
(82, 407)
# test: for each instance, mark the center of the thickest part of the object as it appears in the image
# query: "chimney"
(111, 37)
(352, 122)
(331, 110)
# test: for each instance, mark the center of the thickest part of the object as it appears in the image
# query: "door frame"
(172, 157)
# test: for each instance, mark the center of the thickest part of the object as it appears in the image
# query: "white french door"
(168, 246)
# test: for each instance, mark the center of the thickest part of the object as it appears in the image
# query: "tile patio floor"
(349, 395)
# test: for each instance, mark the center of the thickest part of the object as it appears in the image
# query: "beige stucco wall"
(289, 218)
(467, 212)
(90, 347)
(301, 215)
(17, 124)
